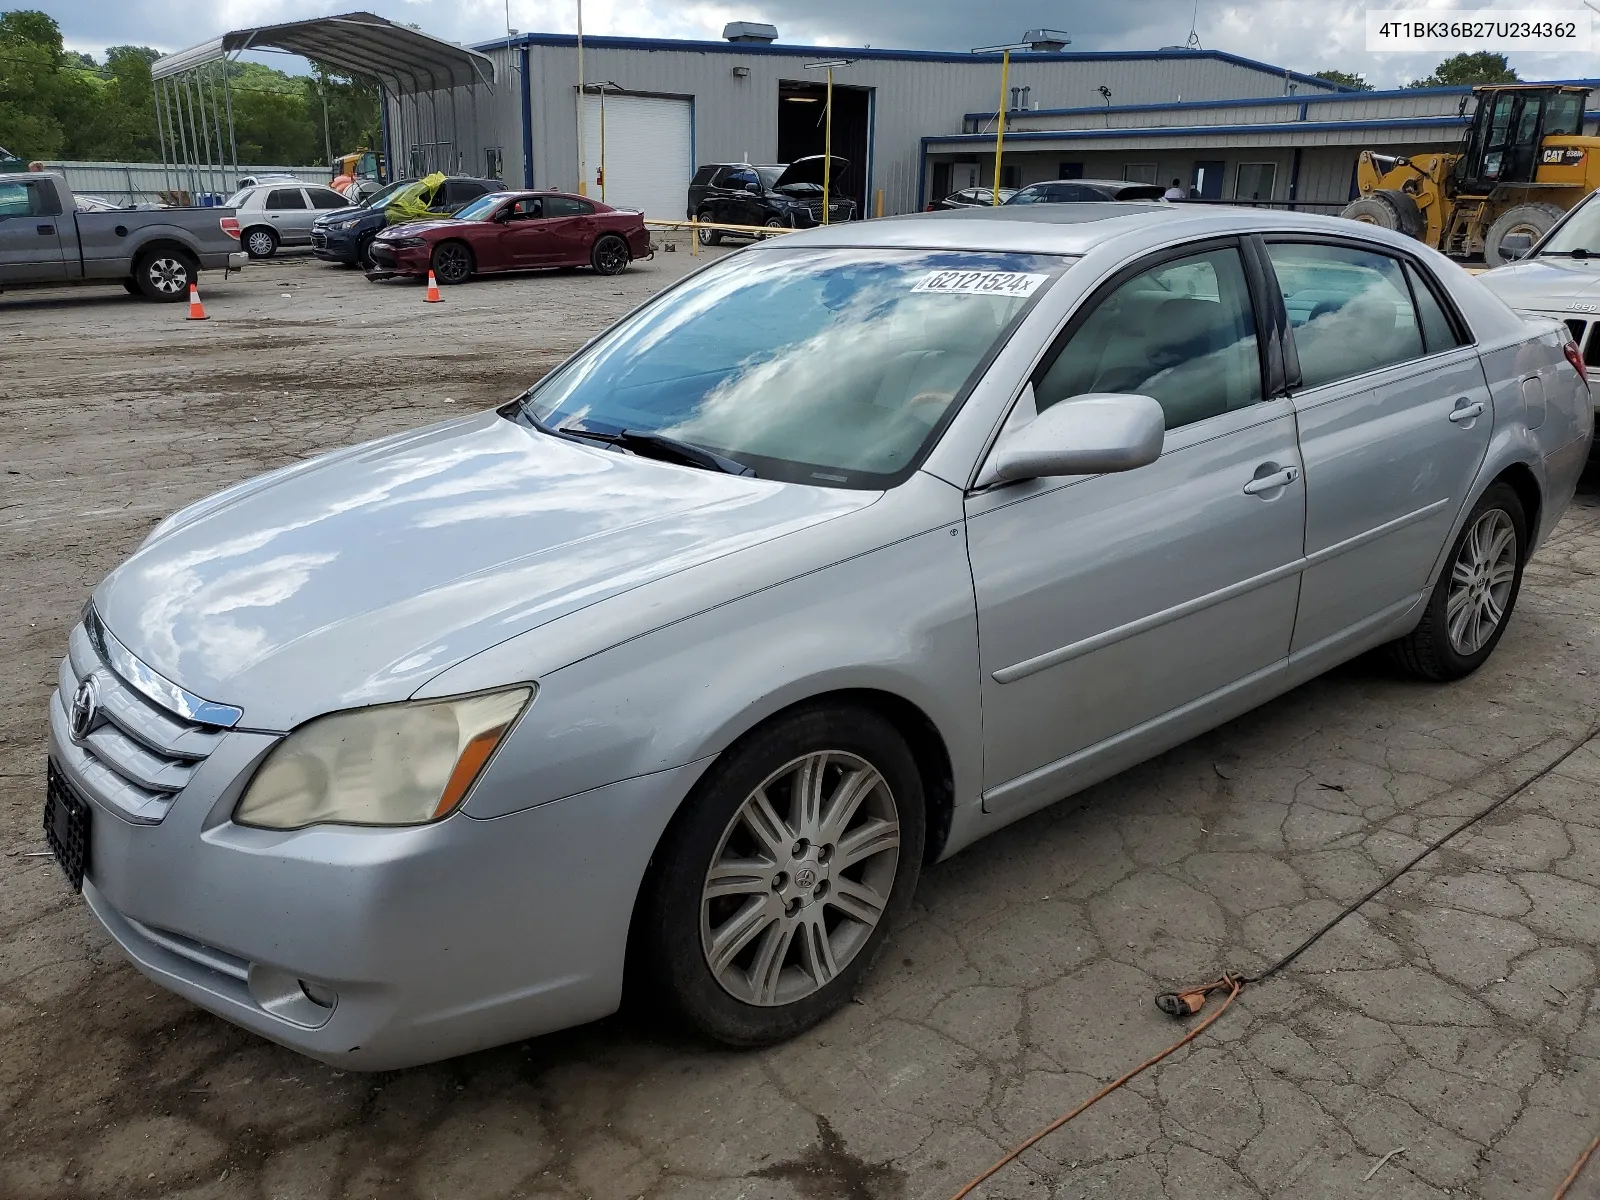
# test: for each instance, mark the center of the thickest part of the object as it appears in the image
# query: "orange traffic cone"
(433, 290)
(197, 311)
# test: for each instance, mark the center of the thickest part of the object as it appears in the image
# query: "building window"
(1255, 181)
(1069, 170)
(1139, 172)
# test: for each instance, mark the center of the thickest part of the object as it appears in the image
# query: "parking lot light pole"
(827, 128)
(583, 164)
(1000, 118)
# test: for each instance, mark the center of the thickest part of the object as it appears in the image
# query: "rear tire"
(1372, 210)
(610, 255)
(708, 237)
(1476, 593)
(165, 275)
(793, 902)
(260, 242)
(1532, 219)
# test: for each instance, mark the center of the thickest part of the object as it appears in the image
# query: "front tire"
(452, 263)
(165, 275)
(364, 253)
(1472, 602)
(610, 255)
(1372, 210)
(708, 237)
(260, 242)
(779, 879)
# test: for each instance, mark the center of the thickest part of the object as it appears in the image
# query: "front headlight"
(405, 243)
(393, 764)
(350, 224)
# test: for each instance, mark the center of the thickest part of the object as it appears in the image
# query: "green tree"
(44, 92)
(1349, 79)
(1480, 67)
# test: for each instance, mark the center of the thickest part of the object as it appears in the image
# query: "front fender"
(901, 619)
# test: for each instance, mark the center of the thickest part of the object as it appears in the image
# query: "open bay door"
(649, 154)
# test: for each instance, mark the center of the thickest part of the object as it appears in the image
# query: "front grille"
(319, 241)
(140, 755)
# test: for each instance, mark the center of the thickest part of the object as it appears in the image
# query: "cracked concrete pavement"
(1456, 1017)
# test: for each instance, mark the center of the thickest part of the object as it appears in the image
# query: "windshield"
(1028, 195)
(381, 196)
(482, 208)
(770, 176)
(829, 367)
(1579, 233)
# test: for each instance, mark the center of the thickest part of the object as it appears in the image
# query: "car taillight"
(1576, 359)
(230, 226)
(928, 209)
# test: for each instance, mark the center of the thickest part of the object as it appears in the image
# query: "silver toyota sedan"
(822, 564)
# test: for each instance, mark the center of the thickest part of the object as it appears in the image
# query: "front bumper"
(334, 245)
(374, 948)
(387, 261)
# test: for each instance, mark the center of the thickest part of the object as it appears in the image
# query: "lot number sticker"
(980, 283)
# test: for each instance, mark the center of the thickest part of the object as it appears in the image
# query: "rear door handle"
(1268, 483)
(45, 228)
(1467, 412)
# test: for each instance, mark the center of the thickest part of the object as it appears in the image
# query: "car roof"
(1110, 183)
(1077, 228)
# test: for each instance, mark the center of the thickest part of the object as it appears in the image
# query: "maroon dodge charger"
(513, 231)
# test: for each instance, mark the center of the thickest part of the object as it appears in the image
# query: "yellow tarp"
(410, 203)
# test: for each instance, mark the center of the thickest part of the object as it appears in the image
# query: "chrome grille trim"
(139, 755)
(153, 686)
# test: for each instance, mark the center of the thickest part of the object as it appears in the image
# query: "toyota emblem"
(805, 877)
(85, 709)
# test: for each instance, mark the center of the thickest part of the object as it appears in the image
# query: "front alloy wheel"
(781, 875)
(452, 263)
(801, 878)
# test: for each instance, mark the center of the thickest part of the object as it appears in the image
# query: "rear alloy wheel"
(165, 275)
(780, 878)
(452, 263)
(1473, 599)
(610, 255)
(260, 242)
(708, 237)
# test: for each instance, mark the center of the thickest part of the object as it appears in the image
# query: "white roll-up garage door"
(649, 156)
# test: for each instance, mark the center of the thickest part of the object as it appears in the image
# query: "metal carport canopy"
(360, 43)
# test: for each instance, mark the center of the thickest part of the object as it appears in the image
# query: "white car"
(1559, 277)
(280, 214)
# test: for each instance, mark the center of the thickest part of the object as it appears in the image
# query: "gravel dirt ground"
(1456, 1020)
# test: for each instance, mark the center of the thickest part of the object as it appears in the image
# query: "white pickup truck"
(46, 241)
(1559, 277)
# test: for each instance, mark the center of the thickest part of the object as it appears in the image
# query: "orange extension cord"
(1192, 999)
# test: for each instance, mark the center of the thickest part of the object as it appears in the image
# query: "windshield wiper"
(1580, 252)
(659, 445)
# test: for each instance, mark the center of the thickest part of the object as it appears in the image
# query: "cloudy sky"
(1301, 34)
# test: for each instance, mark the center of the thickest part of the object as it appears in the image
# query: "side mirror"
(1516, 245)
(1092, 434)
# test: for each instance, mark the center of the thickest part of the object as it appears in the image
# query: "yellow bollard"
(694, 235)
(878, 205)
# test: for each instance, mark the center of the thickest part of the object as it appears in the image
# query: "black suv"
(777, 197)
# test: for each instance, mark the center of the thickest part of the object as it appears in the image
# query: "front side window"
(743, 178)
(285, 198)
(1183, 332)
(27, 199)
(1349, 309)
(833, 367)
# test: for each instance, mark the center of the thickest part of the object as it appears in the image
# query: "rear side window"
(327, 198)
(1350, 309)
(704, 176)
(1437, 332)
(563, 206)
(1183, 332)
(286, 198)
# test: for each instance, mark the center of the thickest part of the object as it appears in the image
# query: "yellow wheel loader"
(1523, 163)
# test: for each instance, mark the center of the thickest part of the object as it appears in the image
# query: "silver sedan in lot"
(825, 562)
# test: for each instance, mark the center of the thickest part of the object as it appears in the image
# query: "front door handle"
(45, 228)
(1270, 483)
(1467, 412)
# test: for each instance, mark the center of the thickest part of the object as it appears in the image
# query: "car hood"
(423, 225)
(1545, 283)
(354, 578)
(809, 170)
(339, 214)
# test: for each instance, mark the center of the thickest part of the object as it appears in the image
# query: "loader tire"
(1372, 210)
(1533, 219)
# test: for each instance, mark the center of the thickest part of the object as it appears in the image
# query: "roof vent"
(750, 31)
(1048, 41)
